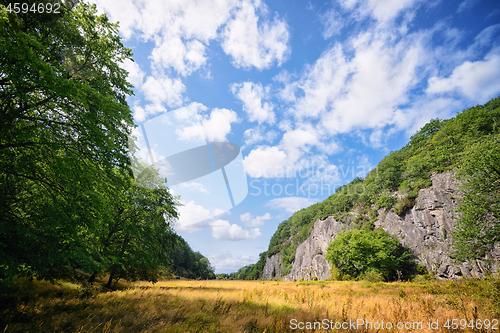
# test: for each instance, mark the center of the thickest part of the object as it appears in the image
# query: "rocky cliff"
(425, 229)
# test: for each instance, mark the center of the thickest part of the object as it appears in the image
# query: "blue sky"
(314, 93)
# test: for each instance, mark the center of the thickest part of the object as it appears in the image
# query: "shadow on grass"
(62, 309)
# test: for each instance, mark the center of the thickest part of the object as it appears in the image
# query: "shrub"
(356, 252)
(422, 183)
(372, 275)
(422, 269)
(385, 201)
(404, 205)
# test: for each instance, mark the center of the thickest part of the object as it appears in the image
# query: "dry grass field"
(254, 306)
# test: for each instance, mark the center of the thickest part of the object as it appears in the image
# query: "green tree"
(136, 242)
(479, 227)
(356, 252)
(64, 126)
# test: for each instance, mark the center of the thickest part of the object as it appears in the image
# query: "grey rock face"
(425, 229)
(310, 256)
(272, 268)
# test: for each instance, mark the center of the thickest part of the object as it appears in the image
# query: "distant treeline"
(189, 264)
(468, 143)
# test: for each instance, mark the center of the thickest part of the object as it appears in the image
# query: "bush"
(385, 201)
(356, 252)
(422, 269)
(335, 274)
(421, 183)
(372, 275)
(403, 206)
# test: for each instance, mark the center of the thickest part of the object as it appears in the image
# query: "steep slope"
(424, 229)
(392, 189)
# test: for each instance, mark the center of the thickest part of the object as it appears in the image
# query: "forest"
(69, 205)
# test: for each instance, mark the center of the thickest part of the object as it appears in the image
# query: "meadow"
(253, 306)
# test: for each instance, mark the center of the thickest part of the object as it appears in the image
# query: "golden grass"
(245, 306)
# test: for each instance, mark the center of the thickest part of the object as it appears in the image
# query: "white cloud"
(477, 80)
(267, 162)
(361, 84)
(227, 262)
(320, 84)
(135, 74)
(332, 22)
(466, 4)
(180, 29)
(139, 113)
(197, 126)
(223, 230)
(380, 10)
(290, 204)
(184, 56)
(258, 134)
(163, 90)
(189, 216)
(189, 120)
(194, 186)
(257, 221)
(252, 94)
(218, 125)
(253, 43)
(297, 148)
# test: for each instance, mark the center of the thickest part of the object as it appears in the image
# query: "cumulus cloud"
(290, 204)
(267, 162)
(195, 125)
(135, 74)
(184, 56)
(189, 216)
(252, 94)
(256, 221)
(227, 262)
(258, 134)
(223, 230)
(253, 43)
(189, 119)
(298, 147)
(477, 80)
(218, 125)
(162, 89)
(181, 30)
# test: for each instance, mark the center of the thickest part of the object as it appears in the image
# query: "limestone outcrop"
(425, 229)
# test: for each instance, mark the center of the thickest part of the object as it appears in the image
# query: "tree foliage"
(68, 200)
(358, 252)
(478, 230)
(187, 263)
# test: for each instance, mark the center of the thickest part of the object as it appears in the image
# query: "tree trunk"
(92, 277)
(108, 285)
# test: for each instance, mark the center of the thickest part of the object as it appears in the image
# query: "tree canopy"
(68, 199)
(357, 252)
(478, 230)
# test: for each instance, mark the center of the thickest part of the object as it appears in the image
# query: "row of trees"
(68, 199)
